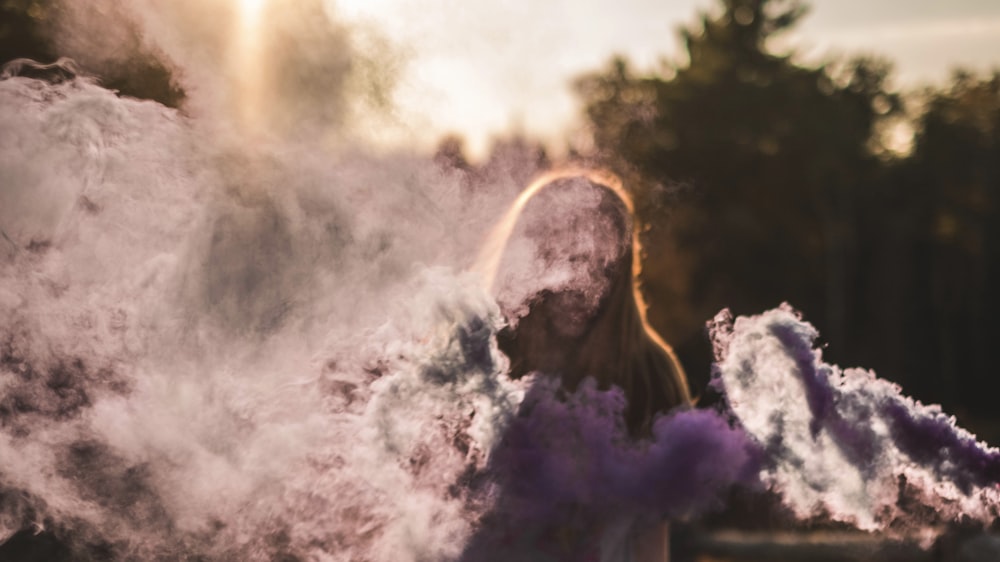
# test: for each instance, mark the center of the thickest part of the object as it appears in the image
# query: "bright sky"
(479, 68)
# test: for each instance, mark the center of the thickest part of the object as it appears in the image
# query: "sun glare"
(247, 62)
(360, 10)
(250, 12)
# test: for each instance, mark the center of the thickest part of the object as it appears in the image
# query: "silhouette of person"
(569, 289)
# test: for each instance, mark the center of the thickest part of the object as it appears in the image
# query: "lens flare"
(248, 64)
(251, 8)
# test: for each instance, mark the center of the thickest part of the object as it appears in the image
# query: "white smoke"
(311, 75)
(235, 350)
(568, 235)
(847, 446)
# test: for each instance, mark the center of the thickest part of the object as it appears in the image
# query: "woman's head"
(567, 285)
(581, 233)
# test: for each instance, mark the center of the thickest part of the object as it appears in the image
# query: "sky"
(481, 68)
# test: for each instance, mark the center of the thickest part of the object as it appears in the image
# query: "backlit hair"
(616, 345)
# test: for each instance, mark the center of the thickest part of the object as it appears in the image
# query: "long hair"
(613, 342)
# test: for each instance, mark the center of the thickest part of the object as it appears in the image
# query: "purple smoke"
(567, 463)
(575, 449)
(844, 444)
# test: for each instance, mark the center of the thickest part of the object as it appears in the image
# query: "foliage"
(784, 189)
(28, 29)
(951, 188)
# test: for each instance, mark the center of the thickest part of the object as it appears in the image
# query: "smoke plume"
(844, 445)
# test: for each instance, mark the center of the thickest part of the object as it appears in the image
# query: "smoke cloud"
(219, 349)
(844, 445)
(289, 68)
(223, 337)
(568, 465)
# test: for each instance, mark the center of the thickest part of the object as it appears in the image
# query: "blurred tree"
(21, 30)
(781, 158)
(450, 153)
(27, 29)
(951, 189)
(513, 160)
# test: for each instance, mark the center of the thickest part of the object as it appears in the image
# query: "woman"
(565, 264)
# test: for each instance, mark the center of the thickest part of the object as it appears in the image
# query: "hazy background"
(481, 68)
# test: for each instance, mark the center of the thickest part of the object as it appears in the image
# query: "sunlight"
(362, 10)
(247, 64)
(250, 11)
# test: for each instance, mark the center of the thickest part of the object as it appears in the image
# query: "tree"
(27, 29)
(779, 157)
(951, 186)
